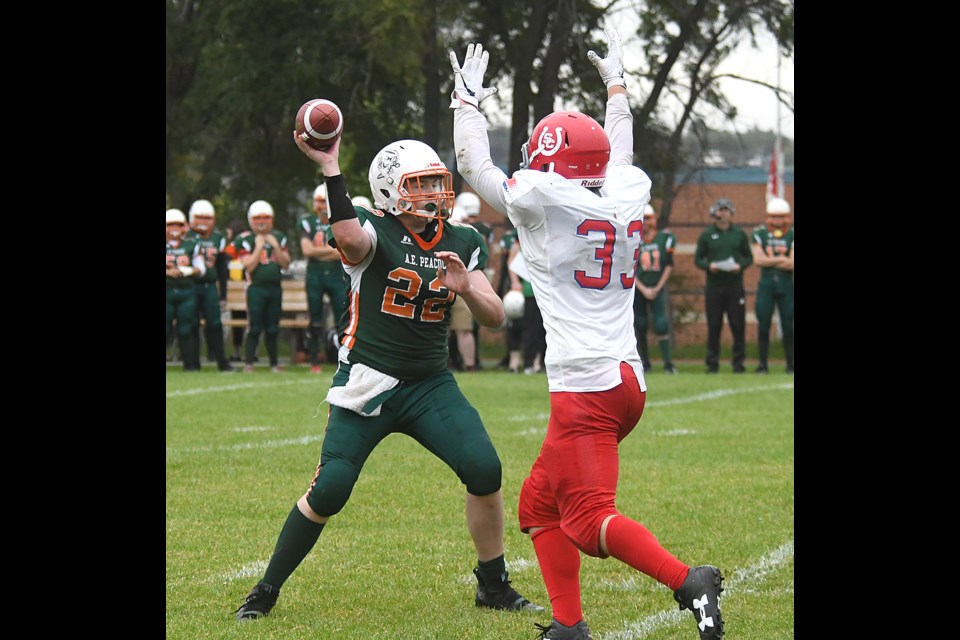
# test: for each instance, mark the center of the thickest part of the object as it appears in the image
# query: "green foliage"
(709, 470)
(237, 72)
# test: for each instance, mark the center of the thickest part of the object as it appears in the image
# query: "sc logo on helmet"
(549, 143)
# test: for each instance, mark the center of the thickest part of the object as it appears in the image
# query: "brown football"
(319, 123)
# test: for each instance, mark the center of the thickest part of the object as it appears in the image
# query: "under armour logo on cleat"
(705, 620)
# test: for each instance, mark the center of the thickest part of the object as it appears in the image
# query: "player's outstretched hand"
(329, 160)
(468, 79)
(611, 67)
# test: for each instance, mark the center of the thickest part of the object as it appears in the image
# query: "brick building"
(746, 187)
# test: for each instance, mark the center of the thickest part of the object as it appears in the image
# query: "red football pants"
(573, 482)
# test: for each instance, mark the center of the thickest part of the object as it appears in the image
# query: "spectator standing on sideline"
(463, 348)
(406, 265)
(264, 254)
(577, 203)
(184, 265)
(654, 267)
(324, 273)
(772, 246)
(469, 204)
(234, 229)
(509, 249)
(212, 245)
(723, 251)
(533, 336)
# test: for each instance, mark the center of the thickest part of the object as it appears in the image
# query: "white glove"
(468, 80)
(610, 68)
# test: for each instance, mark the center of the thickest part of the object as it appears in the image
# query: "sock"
(665, 350)
(632, 543)
(560, 565)
(297, 537)
(492, 571)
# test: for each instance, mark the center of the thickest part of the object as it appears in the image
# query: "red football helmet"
(571, 144)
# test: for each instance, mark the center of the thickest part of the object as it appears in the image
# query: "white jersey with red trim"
(581, 250)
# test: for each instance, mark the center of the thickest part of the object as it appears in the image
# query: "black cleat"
(259, 602)
(700, 593)
(501, 596)
(762, 369)
(557, 631)
(669, 368)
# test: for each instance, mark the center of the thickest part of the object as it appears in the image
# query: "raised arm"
(470, 127)
(618, 121)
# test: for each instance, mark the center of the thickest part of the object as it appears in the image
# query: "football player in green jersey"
(263, 253)
(654, 265)
(212, 243)
(184, 265)
(407, 263)
(772, 247)
(324, 273)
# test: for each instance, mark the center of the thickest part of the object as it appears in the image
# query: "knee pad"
(479, 468)
(332, 487)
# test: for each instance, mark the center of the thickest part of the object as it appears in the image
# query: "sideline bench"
(295, 311)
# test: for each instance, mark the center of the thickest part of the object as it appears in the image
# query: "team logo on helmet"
(387, 163)
(549, 143)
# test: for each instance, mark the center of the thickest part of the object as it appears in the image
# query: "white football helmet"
(259, 208)
(513, 302)
(408, 176)
(203, 209)
(175, 217)
(469, 204)
(778, 206)
(361, 201)
(778, 221)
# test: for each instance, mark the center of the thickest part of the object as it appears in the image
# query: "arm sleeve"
(618, 125)
(473, 157)
(339, 202)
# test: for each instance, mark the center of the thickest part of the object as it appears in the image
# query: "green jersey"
(319, 234)
(210, 248)
(655, 256)
(399, 312)
(268, 271)
(717, 245)
(773, 246)
(182, 255)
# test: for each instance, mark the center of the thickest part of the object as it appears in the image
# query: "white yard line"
(741, 580)
(233, 387)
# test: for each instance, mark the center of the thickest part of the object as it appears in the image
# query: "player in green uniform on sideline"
(184, 265)
(407, 264)
(772, 246)
(654, 265)
(263, 253)
(324, 273)
(212, 243)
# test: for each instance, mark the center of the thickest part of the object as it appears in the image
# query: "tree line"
(238, 71)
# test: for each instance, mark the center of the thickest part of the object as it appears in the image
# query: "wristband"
(340, 206)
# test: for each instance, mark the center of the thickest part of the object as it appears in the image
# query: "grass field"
(709, 470)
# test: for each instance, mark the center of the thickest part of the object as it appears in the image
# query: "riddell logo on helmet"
(593, 182)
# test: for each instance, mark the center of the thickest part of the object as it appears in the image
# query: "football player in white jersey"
(578, 204)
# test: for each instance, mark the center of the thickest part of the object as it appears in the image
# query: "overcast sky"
(756, 105)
